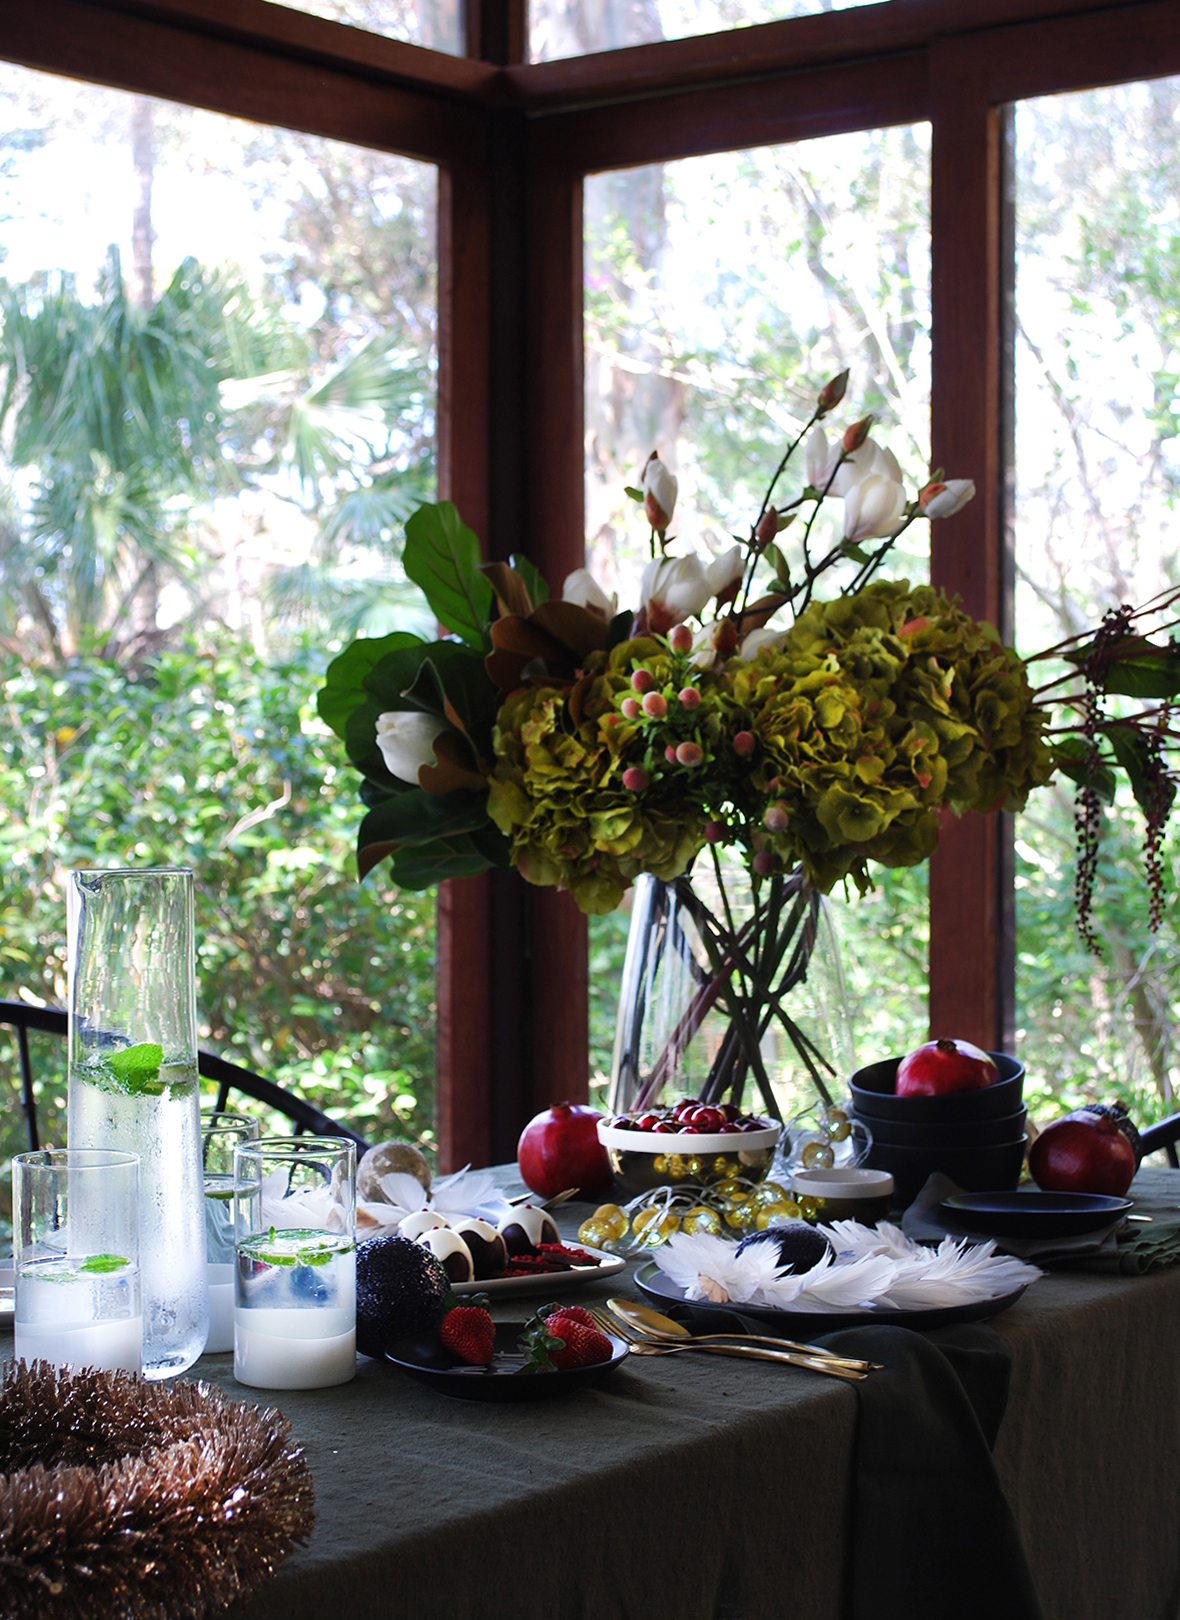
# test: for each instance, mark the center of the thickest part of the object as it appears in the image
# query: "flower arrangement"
(585, 745)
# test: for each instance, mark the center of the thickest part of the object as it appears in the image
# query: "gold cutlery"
(638, 1345)
(657, 1326)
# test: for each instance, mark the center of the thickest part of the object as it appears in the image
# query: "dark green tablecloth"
(694, 1488)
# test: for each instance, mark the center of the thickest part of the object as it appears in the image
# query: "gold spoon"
(638, 1346)
(659, 1326)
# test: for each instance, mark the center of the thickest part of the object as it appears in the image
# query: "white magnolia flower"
(673, 589)
(944, 500)
(659, 493)
(873, 508)
(757, 639)
(820, 458)
(583, 590)
(727, 570)
(405, 741)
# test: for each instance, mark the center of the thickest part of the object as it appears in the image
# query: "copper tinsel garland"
(153, 1502)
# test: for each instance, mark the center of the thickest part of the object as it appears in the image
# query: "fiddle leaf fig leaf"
(442, 556)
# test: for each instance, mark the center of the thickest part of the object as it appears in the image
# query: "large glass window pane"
(720, 292)
(217, 395)
(576, 27)
(1097, 475)
(436, 24)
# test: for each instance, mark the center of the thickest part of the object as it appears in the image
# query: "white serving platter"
(552, 1282)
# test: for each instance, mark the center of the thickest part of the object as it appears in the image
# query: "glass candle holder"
(221, 1133)
(295, 1282)
(133, 1082)
(75, 1242)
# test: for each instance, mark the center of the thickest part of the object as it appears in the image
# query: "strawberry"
(469, 1333)
(576, 1313)
(583, 1346)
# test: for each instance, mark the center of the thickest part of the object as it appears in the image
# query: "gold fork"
(638, 1345)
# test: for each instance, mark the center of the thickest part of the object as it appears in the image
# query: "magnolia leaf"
(423, 865)
(857, 553)
(442, 556)
(574, 627)
(512, 593)
(344, 689)
(457, 767)
(619, 629)
(418, 817)
(635, 494)
(534, 579)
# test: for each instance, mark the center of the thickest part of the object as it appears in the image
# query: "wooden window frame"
(513, 142)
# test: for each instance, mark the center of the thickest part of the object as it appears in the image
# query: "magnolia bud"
(856, 435)
(767, 528)
(831, 394)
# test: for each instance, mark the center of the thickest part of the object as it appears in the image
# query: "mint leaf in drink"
(104, 1262)
(136, 1069)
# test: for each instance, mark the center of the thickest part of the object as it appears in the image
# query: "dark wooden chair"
(1163, 1136)
(229, 1077)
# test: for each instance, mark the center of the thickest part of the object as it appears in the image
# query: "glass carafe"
(133, 1082)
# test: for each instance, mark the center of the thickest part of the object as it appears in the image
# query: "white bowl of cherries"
(688, 1141)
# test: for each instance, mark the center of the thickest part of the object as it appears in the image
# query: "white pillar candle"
(294, 1349)
(109, 1346)
(221, 1308)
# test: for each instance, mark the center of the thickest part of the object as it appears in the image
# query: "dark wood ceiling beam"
(710, 59)
(282, 31)
(153, 58)
(790, 107)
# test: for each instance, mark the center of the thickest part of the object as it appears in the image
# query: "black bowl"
(873, 1096)
(978, 1169)
(956, 1133)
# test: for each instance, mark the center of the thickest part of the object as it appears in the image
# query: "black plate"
(425, 1359)
(1035, 1214)
(807, 1325)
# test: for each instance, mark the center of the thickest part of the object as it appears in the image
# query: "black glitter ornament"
(798, 1245)
(400, 1288)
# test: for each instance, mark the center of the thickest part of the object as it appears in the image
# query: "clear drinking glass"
(133, 1082)
(221, 1133)
(75, 1242)
(295, 1286)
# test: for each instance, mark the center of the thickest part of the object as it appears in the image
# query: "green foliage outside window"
(209, 755)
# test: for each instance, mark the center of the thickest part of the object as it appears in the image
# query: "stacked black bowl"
(974, 1137)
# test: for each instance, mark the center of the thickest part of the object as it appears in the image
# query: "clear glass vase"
(731, 991)
(133, 1082)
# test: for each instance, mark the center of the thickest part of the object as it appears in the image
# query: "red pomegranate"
(944, 1066)
(1086, 1152)
(559, 1148)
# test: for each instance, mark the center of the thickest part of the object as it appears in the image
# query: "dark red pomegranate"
(940, 1067)
(1086, 1152)
(559, 1148)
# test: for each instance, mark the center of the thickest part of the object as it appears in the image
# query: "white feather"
(869, 1268)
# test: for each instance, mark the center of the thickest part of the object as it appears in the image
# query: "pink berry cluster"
(691, 1117)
